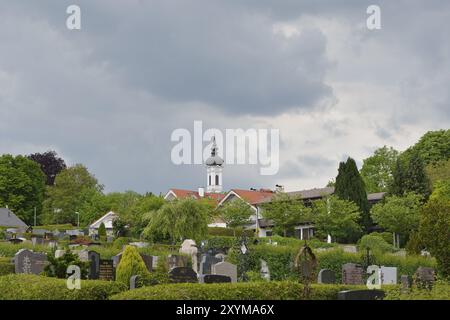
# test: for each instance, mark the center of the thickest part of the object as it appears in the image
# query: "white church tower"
(214, 170)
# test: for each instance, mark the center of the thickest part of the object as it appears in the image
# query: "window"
(217, 180)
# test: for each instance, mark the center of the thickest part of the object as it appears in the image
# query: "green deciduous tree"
(439, 171)
(416, 179)
(398, 214)
(286, 211)
(377, 170)
(22, 186)
(434, 231)
(337, 218)
(75, 190)
(434, 146)
(235, 213)
(350, 186)
(179, 219)
(131, 264)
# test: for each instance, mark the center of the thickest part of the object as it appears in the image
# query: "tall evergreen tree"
(416, 179)
(350, 186)
(397, 188)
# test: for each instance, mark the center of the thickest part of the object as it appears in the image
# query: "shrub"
(32, 287)
(229, 232)
(121, 241)
(102, 232)
(57, 267)
(440, 291)
(285, 290)
(374, 242)
(131, 264)
(6, 266)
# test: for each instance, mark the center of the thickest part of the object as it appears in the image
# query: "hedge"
(285, 290)
(6, 266)
(440, 291)
(229, 232)
(32, 287)
(280, 261)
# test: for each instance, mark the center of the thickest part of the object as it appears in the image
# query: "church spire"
(214, 169)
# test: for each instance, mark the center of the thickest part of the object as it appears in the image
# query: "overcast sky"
(110, 95)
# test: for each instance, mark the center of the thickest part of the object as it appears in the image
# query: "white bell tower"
(214, 170)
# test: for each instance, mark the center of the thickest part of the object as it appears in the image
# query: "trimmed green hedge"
(229, 232)
(440, 291)
(32, 287)
(285, 290)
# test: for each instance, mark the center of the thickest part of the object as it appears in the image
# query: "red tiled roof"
(254, 196)
(183, 194)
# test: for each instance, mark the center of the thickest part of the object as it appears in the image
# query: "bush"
(374, 242)
(285, 290)
(229, 232)
(121, 241)
(6, 266)
(102, 232)
(32, 287)
(440, 291)
(8, 249)
(131, 264)
(57, 267)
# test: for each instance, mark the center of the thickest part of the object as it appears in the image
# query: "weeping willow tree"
(179, 219)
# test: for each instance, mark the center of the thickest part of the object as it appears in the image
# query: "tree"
(434, 231)
(337, 218)
(130, 264)
(50, 164)
(74, 191)
(377, 170)
(416, 179)
(286, 212)
(57, 267)
(235, 214)
(397, 186)
(22, 186)
(439, 171)
(441, 190)
(179, 219)
(434, 146)
(350, 186)
(102, 232)
(398, 214)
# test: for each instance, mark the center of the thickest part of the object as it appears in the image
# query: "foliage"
(377, 170)
(6, 266)
(439, 171)
(375, 243)
(50, 164)
(285, 290)
(441, 190)
(434, 146)
(131, 264)
(74, 191)
(119, 227)
(336, 217)
(399, 214)
(230, 232)
(57, 267)
(416, 179)
(350, 186)
(102, 232)
(8, 249)
(434, 232)
(235, 214)
(286, 212)
(414, 244)
(32, 287)
(22, 186)
(179, 219)
(440, 291)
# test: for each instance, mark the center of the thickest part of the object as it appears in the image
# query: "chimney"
(201, 192)
(279, 188)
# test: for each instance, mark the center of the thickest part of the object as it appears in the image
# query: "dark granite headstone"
(406, 283)
(106, 270)
(424, 278)
(326, 276)
(27, 261)
(133, 282)
(352, 274)
(214, 278)
(207, 261)
(176, 261)
(361, 295)
(183, 275)
(94, 265)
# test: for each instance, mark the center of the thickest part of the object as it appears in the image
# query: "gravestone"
(214, 278)
(189, 247)
(424, 278)
(388, 275)
(207, 261)
(183, 275)
(326, 276)
(27, 261)
(83, 255)
(59, 253)
(220, 256)
(133, 282)
(226, 269)
(352, 274)
(265, 273)
(94, 265)
(106, 270)
(361, 295)
(175, 261)
(37, 241)
(406, 282)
